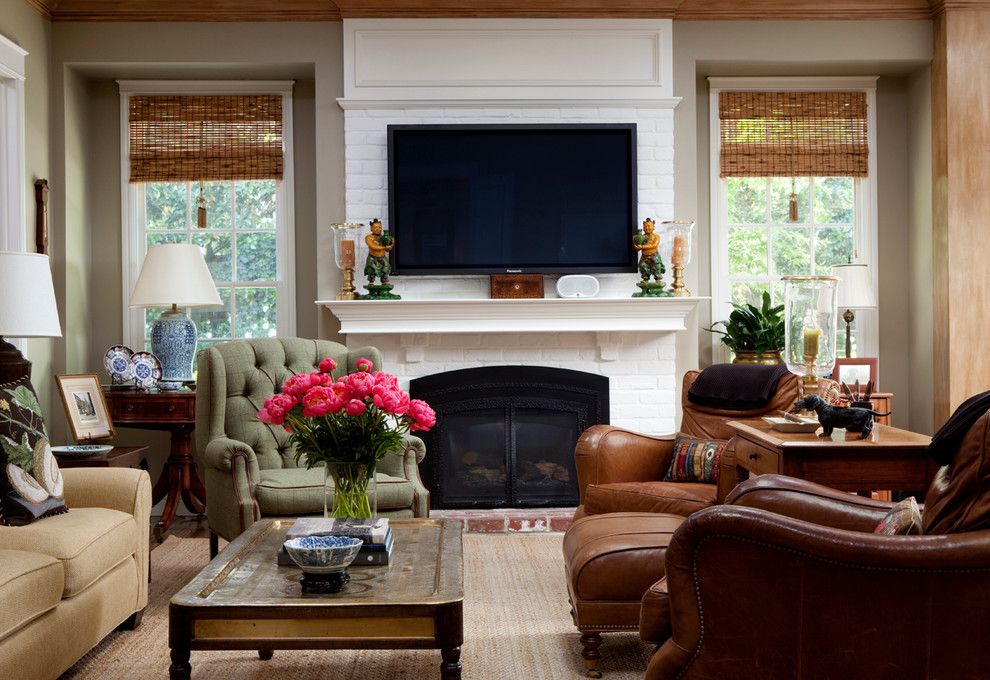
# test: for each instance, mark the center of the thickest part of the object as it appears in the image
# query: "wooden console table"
(174, 412)
(889, 459)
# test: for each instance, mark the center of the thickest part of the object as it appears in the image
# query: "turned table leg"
(180, 668)
(450, 668)
(590, 643)
(182, 483)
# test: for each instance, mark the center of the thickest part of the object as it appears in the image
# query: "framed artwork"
(863, 369)
(85, 407)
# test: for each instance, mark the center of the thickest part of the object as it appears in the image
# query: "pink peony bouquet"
(357, 418)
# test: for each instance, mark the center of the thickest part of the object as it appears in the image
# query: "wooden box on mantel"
(505, 286)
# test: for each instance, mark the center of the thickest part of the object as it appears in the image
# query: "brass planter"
(749, 357)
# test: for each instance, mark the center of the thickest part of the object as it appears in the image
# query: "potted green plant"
(754, 334)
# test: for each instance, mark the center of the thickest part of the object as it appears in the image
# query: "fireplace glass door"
(505, 435)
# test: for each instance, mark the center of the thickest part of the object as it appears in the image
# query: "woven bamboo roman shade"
(205, 137)
(793, 134)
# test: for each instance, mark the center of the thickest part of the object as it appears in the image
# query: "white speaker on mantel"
(577, 286)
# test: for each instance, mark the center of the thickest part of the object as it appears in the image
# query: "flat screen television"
(489, 199)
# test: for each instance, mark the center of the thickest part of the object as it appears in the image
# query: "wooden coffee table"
(889, 459)
(244, 600)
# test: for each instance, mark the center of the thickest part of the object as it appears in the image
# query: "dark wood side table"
(174, 412)
(889, 459)
(120, 456)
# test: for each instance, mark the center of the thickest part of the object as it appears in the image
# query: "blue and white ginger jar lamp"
(176, 275)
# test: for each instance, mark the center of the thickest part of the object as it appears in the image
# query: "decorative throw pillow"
(30, 481)
(904, 519)
(695, 460)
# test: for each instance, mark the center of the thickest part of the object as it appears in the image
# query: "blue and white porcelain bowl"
(323, 554)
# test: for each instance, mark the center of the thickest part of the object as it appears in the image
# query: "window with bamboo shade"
(794, 192)
(205, 137)
(228, 158)
(793, 134)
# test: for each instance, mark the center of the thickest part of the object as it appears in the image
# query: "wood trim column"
(961, 206)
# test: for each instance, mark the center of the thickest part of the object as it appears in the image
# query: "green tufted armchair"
(249, 467)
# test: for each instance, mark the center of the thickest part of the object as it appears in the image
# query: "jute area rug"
(516, 625)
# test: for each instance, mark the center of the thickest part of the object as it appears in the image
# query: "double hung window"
(792, 188)
(226, 154)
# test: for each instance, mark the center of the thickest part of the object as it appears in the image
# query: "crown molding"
(183, 10)
(45, 7)
(335, 10)
(534, 9)
(770, 10)
(941, 6)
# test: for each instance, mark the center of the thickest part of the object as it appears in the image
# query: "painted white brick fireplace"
(476, 71)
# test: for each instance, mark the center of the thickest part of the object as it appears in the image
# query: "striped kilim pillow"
(695, 460)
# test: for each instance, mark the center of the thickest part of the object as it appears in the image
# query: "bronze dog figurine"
(851, 418)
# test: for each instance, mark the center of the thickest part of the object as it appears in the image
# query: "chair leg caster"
(266, 654)
(590, 643)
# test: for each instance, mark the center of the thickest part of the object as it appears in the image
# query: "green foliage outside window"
(239, 245)
(764, 244)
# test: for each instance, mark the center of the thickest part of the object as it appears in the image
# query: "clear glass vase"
(810, 326)
(349, 490)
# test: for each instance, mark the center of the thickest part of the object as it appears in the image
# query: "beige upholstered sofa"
(67, 581)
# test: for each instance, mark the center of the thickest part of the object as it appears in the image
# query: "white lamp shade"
(856, 288)
(175, 274)
(27, 300)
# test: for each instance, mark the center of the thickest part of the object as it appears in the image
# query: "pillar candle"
(811, 337)
(347, 254)
(678, 256)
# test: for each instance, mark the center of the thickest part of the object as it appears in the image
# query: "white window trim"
(12, 160)
(865, 229)
(133, 249)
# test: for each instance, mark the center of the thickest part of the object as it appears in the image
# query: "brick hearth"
(510, 520)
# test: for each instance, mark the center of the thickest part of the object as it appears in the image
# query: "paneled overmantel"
(503, 60)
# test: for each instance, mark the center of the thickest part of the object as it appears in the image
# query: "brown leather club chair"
(788, 580)
(619, 470)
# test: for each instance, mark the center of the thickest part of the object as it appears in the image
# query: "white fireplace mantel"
(541, 315)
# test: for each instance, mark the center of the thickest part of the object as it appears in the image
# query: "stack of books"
(376, 534)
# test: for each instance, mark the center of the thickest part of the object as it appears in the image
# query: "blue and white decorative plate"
(146, 370)
(117, 361)
(81, 450)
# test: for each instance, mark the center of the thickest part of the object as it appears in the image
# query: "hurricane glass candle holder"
(346, 239)
(810, 316)
(675, 246)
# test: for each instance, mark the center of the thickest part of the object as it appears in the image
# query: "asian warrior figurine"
(380, 244)
(650, 265)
